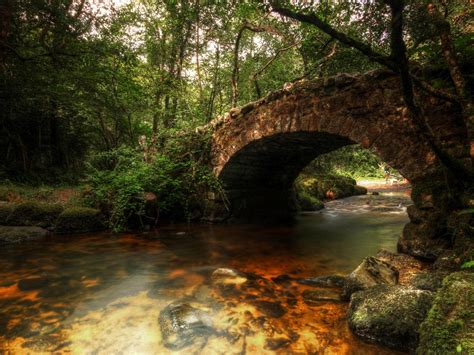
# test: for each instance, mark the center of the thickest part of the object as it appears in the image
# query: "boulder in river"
(228, 276)
(20, 234)
(389, 315)
(181, 324)
(370, 272)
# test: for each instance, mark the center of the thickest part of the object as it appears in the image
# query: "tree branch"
(340, 36)
(235, 70)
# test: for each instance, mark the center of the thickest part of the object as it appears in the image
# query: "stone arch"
(259, 149)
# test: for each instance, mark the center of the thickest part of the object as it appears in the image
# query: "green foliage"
(312, 189)
(308, 202)
(353, 161)
(468, 265)
(120, 189)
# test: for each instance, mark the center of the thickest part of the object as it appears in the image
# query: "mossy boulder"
(311, 190)
(360, 190)
(34, 214)
(10, 234)
(308, 202)
(449, 326)
(79, 220)
(389, 315)
(5, 211)
(430, 281)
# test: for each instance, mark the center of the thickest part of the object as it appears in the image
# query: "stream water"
(103, 294)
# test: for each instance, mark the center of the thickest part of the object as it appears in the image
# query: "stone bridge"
(258, 150)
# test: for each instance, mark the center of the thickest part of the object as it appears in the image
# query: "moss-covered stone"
(5, 211)
(34, 214)
(449, 326)
(430, 281)
(79, 220)
(311, 190)
(389, 315)
(308, 202)
(20, 234)
(360, 190)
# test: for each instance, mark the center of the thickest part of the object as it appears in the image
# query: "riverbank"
(381, 185)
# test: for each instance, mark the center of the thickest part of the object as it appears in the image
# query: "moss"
(360, 190)
(5, 211)
(321, 187)
(450, 323)
(79, 220)
(10, 235)
(34, 214)
(308, 202)
(389, 315)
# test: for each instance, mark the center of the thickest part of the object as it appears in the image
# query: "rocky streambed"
(306, 288)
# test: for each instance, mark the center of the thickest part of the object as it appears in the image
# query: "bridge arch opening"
(259, 178)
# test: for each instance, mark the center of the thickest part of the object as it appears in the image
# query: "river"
(103, 293)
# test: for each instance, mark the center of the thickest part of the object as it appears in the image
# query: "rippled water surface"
(103, 294)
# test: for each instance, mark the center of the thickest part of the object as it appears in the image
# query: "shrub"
(177, 181)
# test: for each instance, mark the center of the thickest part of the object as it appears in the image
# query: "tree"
(398, 61)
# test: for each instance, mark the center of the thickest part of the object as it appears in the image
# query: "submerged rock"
(389, 315)
(33, 283)
(322, 295)
(270, 309)
(181, 324)
(370, 272)
(228, 276)
(21, 234)
(324, 281)
(449, 327)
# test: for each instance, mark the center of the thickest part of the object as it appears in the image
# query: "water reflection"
(103, 294)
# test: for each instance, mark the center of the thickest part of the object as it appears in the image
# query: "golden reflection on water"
(102, 294)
